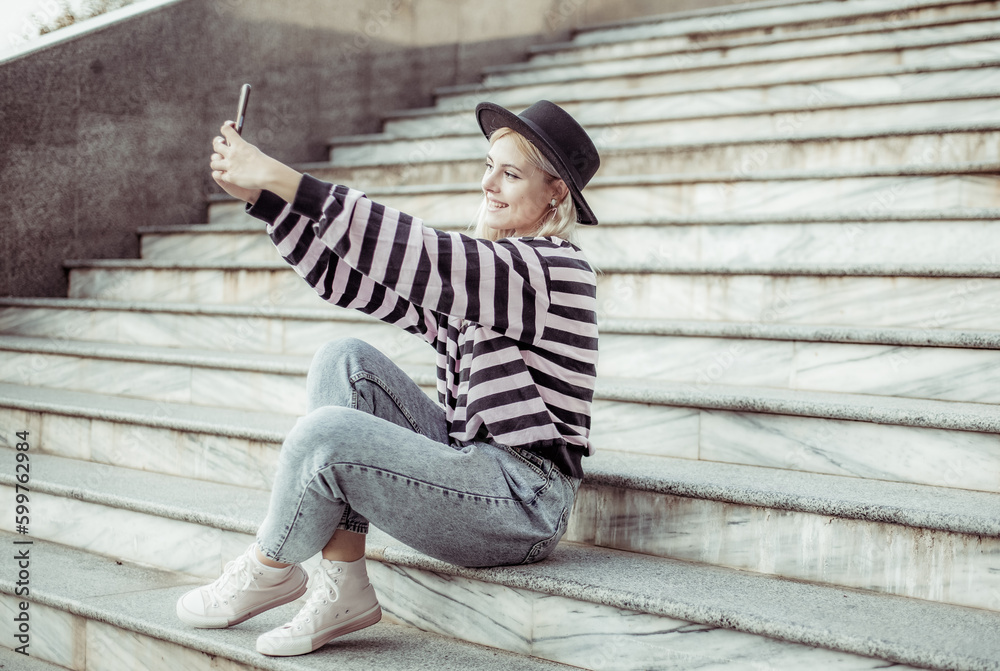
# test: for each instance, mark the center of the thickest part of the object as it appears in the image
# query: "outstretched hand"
(238, 166)
(243, 170)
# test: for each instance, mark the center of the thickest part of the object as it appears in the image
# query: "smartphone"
(242, 111)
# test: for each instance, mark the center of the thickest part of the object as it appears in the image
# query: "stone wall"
(109, 131)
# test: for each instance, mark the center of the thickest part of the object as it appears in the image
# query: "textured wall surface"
(110, 131)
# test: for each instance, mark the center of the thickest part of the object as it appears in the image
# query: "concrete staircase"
(796, 420)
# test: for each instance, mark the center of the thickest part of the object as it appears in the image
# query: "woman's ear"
(559, 189)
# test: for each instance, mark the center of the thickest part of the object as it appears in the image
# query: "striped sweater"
(513, 322)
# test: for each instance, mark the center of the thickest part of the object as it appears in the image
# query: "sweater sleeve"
(503, 285)
(294, 236)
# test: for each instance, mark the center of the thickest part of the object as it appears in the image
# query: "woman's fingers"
(238, 163)
(217, 161)
(229, 133)
(222, 146)
(222, 143)
(229, 154)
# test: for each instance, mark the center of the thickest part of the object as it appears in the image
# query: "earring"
(552, 203)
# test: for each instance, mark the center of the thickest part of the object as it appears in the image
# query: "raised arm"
(335, 281)
(268, 186)
(504, 285)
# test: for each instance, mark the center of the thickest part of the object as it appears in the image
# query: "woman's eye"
(508, 174)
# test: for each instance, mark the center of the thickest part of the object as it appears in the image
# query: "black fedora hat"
(558, 136)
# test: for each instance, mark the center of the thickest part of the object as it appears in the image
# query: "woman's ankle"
(345, 546)
(267, 561)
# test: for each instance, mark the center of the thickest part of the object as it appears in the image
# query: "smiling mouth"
(494, 206)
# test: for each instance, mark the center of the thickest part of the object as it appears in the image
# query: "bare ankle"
(345, 546)
(267, 561)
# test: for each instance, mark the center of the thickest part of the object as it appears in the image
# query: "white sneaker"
(341, 601)
(243, 590)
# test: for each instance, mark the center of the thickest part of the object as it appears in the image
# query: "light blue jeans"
(374, 447)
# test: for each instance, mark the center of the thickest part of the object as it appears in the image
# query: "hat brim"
(491, 116)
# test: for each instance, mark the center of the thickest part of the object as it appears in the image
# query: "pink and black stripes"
(513, 322)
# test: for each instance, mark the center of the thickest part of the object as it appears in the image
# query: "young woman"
(487, 476)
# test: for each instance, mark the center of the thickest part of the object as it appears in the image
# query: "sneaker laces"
(325, 591)
(238, 574)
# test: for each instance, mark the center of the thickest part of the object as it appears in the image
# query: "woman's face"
(517, 193)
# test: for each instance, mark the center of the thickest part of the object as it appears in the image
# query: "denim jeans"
(374, 447)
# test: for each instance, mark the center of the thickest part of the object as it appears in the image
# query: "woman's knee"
(318, 436)
(333, 364)
(339, 351)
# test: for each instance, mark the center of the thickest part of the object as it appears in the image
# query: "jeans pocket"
(544, 548)
(532, 461)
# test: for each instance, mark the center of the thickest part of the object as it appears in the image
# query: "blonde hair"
(562, 223)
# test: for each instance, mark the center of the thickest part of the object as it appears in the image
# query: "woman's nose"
(489, 182)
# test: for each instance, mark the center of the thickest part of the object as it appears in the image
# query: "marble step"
(412, 587)
(239, 380)
(942, 443)
(66, 319)
(813, 37)
(729, 23)
(102, 614)
(811, 122)
(867, 297)
(940, 80)
(114, 625)
(902, 191)
(611, 121)
(227, 328)
(923, 297)
(189, 369)
(889, 241)
(831, 151)
(957, 53)
(910, 363)
(18, 662)
(621, 504)
(213, 444)
(805, 50)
